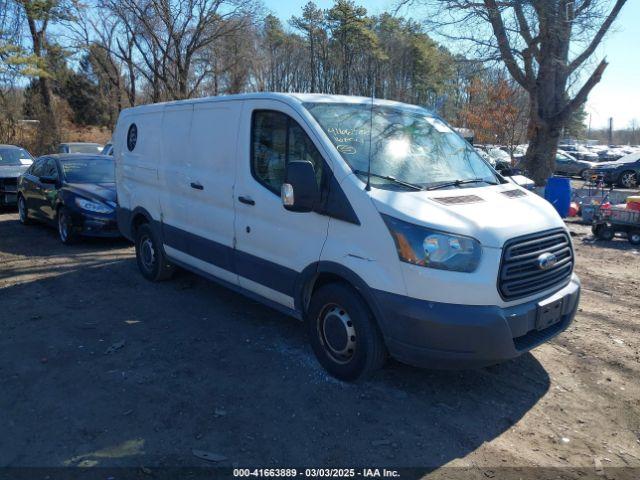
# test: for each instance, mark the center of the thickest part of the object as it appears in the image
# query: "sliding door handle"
(247, 200)
(197, 186)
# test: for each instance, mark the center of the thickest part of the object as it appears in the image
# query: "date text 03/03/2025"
(316, 472)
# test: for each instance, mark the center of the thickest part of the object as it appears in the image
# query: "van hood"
(492, 214)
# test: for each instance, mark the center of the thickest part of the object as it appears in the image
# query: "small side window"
(277, 139)
(50, 169)
(38, 167)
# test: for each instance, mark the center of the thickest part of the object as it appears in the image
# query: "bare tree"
(169, 35)
(536, 40)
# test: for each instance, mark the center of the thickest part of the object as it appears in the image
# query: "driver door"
(273, 245)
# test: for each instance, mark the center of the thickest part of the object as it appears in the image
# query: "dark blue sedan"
(75, 193)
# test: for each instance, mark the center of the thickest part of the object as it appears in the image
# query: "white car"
(372, 221)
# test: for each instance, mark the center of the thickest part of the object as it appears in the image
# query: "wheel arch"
(324, 272)
(130, 220)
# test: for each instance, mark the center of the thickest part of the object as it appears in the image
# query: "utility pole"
(610, 130)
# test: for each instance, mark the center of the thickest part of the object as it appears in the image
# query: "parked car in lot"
(75, 193)
(579, 152)
(14, 161)
(624, 172)
(570, 166)
(412, 246)
(499, 159)
(80, 147)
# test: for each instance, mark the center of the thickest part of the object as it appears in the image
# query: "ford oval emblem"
(547, 260)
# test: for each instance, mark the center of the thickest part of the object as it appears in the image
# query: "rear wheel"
(23, 211)
(628, 179)
(343, 333)
(66, 232)
(634, 237)
(150, 257)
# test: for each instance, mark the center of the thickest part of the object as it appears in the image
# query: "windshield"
(85, 148)
(89, 170)
(15, 156)
(408, 145)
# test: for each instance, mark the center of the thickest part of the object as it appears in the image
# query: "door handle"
(197, 186)
(247, 200)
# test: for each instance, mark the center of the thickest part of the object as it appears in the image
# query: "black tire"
(343, 333)
(150, 256)
(23, 211)
(634, 237)
(66, 230)
(604, 232)
(628, 179)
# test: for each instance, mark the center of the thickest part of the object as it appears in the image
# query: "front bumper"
(95, 225)
(441, 335)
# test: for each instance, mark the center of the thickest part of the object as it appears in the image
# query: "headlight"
(433, 249)
(93, 206)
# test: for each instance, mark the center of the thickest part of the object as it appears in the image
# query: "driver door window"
(277, 139)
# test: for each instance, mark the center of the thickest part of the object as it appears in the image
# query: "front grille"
(520, 275)
(8, 184)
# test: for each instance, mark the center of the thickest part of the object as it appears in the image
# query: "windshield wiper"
(391, 179)
(457, 183)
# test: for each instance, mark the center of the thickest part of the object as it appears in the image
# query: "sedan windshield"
(404, 145)
(85, 148)
(15, 156)
(89, 170)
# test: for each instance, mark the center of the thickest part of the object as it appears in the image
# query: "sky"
(618, 93)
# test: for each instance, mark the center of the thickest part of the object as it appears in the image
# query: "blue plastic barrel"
(558, 193)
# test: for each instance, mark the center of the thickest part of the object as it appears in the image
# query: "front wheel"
(150, 257)
(343, 333)
(23, 211)
(628, 179)
(66, 232)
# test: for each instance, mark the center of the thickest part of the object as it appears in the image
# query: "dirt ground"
(99, 367)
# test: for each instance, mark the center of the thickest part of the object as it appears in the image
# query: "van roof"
(290, 98)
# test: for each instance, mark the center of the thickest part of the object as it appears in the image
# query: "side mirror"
(300, 192)
(506, 172)
(49, 180)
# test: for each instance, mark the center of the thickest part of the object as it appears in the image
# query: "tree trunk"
(540, 159)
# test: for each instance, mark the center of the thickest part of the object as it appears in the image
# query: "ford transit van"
(372, 221)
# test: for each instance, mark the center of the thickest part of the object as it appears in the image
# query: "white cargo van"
(372, 221)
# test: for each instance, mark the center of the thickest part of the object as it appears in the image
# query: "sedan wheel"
(65, 228)
(628, 179)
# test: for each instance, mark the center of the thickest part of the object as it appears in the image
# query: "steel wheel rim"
(635, 237)
(63, 227)
(147, 253)
(337, 333)
(22, 210)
